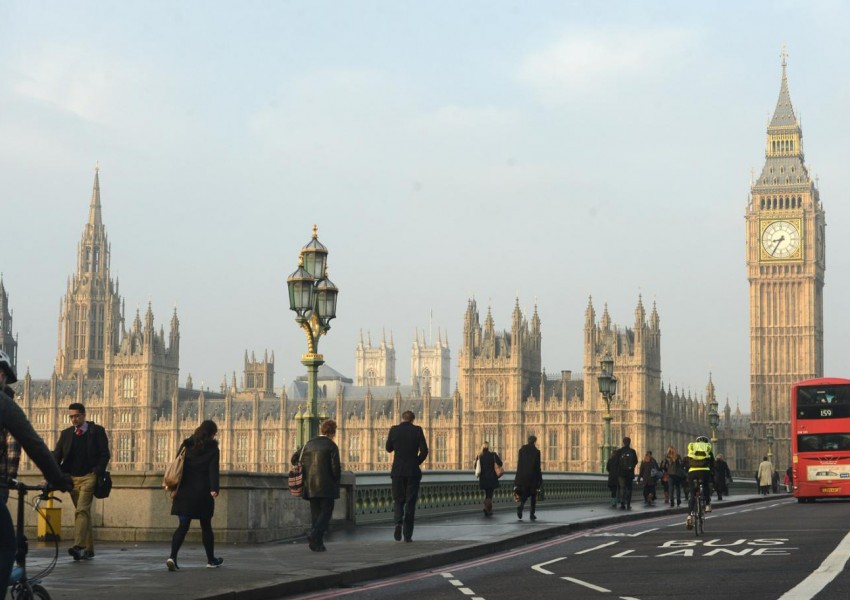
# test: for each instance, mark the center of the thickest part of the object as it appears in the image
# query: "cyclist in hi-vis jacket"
(701, 456)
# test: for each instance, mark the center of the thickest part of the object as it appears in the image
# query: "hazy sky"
(550, 150)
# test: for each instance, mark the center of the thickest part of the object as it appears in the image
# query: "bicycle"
(697, 514)
(21, 585)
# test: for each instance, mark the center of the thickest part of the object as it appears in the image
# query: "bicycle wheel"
(39, 593)
(699, 526)
(21, 591)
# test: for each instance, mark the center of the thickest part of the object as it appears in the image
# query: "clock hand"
(776, 247)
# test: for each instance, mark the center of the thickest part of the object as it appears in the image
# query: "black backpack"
(628, 460)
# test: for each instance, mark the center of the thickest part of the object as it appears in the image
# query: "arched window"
(491, 391)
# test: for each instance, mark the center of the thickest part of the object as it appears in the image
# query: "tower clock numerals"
(780, 239)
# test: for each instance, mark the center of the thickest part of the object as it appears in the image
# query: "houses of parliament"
(126, 371)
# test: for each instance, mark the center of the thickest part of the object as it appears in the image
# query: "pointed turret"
(783, 115)
(605, 323)
(516, 316)
(535, 322)
(640, 314)
(589, 313)
(654, 321)
(95, 218)
(489, 327)
(149, 321)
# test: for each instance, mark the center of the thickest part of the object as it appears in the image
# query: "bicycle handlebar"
(45, 489)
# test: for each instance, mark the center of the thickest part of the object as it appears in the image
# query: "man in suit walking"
(82, 451)
(407, 443)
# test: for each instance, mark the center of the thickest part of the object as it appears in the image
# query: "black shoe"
(532, 517)
(408, 540)
(87, 555)
(628, 506)
(311, 542)
(397, 533)
(215, 563)
(321, 548)
(622, 507)
(76, 552)
(519, 513)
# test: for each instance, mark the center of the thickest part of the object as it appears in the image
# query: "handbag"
(103, 485)
(296, 477)
(174, 472)
(477, 466)
(500, 470)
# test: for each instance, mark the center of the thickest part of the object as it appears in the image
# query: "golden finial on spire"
(97, 166)
(784, 56)
(315, 231)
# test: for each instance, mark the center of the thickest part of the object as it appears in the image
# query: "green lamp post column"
(608, 388)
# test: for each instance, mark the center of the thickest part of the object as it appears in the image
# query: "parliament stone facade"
(127, 373)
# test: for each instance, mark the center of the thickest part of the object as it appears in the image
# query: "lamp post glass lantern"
(713, 421)
(608, 388)
(312, 297)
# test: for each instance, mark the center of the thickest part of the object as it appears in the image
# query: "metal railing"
(450, 492)
(453, 492)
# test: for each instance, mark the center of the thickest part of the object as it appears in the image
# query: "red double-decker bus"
(820, 438)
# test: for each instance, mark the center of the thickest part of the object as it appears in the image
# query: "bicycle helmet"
(6, 365)
(702, 438)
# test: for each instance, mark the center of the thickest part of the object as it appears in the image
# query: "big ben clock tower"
(786, 260)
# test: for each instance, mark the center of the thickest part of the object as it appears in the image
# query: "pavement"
(132, 571)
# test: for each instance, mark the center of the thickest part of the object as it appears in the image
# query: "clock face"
(781, 239)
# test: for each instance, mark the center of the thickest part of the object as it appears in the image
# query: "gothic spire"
(783, 115)
(94, 207)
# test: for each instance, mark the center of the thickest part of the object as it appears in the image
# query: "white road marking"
(448, 575)
(597, 547)
(586, 584)
(617, 534)
(820, 577)
(539, 567)
(456, 582)
(467, 591)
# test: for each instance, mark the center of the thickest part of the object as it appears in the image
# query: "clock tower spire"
(785, 227)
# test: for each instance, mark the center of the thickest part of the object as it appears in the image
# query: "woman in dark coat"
(195, 498)
(529, 476)
(322, 472)
(487, 479)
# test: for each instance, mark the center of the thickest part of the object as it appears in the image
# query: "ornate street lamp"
(714, 422)
(312, 296)
(770, 440)
(608, 388)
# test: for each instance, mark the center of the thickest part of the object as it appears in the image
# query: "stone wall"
(251, 508)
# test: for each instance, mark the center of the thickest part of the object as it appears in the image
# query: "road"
(770, 550)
